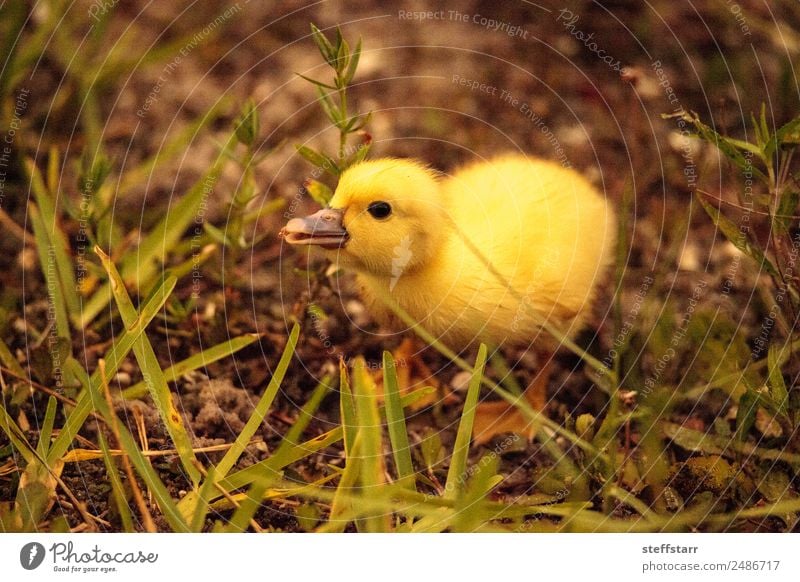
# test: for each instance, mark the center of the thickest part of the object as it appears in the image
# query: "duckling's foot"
(412, 373)
(493, 418)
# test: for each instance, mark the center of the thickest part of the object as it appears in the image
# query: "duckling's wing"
(539, 230)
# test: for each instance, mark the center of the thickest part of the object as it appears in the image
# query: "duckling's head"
(385, 216)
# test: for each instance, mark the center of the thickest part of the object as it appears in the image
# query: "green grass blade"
(521, 403)
(9, 361)
(240, 520)
(347, 410)
(59, 246)
(47, 427)
(777, 385)
(257, 418)
(343, 504)
(117, 488)
(458, 461)
(141, 463)
(471, 511)
(146, 356)
(370, 435)
(506, 375)
(290, 455)
(732, 233)
(16, 435)
(50, 272)
(292, 436)
(204, 497)
(204, 358)
(396, 424)
(244, 477)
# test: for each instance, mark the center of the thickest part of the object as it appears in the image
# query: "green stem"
(344, 117)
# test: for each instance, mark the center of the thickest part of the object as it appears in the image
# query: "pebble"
(460, 381)
(123, 378)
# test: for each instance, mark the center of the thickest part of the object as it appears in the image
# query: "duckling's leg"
(493, 418)
(412, 372)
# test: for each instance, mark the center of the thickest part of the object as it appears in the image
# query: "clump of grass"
(766, 162)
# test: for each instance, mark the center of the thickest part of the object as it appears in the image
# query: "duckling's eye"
(379, 209)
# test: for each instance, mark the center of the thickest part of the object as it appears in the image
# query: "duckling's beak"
(323, 228)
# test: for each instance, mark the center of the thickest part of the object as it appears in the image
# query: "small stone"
(123, 378)
(460, 381)
(27, 259)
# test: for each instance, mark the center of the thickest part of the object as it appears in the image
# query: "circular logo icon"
(31, 555)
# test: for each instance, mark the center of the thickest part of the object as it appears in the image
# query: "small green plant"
(768, 161)
(768, 198)
(233, 236)
(334, 101)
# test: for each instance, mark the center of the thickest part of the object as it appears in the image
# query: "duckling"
(484, 254)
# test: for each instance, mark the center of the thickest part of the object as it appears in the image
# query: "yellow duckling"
(484, 254)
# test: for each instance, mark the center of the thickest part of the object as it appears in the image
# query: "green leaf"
(738, 238)
(430, 448)
(342, 56)
(306, 415)
(318, 191)
(785, 214)
(746, 414)
(204, 497)
(788, 134)
(361, 154)
(47, 427)
(275, 463)
(240, 522)
(320, 160)
(93, 173)
(471, 511)
(49, 264)
(352, 65)
(370, 443)
(731, 148)
(16, 435)
(778, 391)
(315, 82)
(248, 124)
(332, 112)
(323, 44)
(217, 235)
